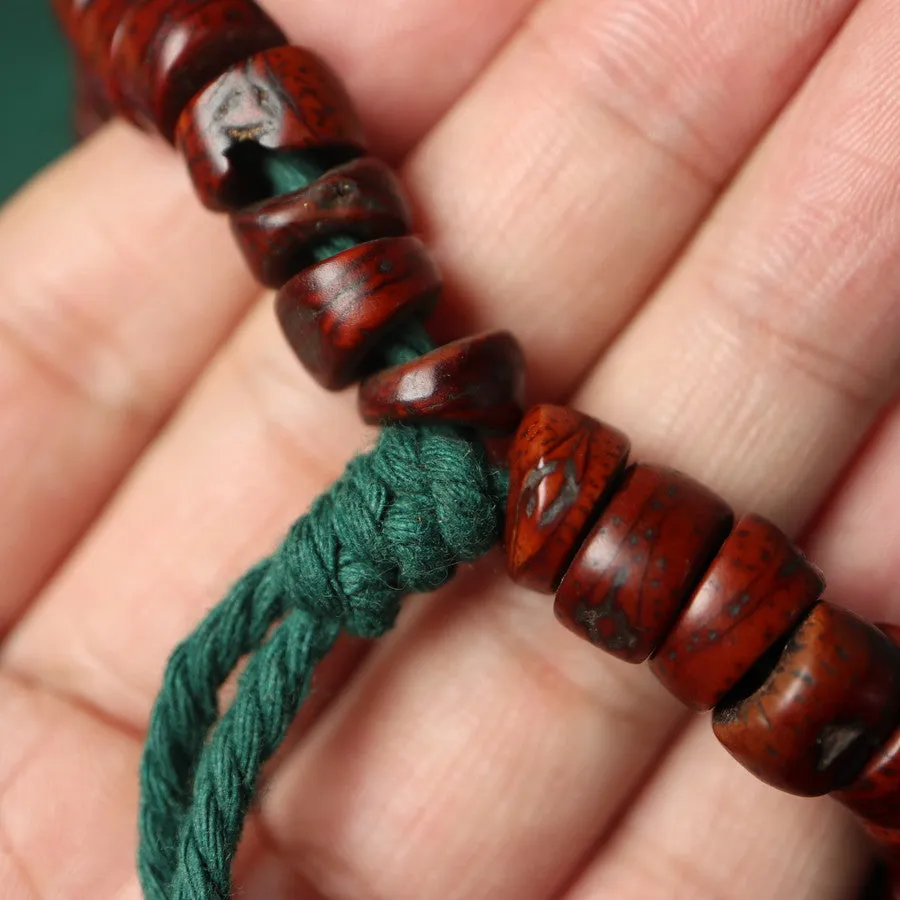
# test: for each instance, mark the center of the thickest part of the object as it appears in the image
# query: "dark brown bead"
(757, 588)
(877, 885)
(93, 24)
(88, 26)
(891, 630)
(884, 882)
(166, 51)
(824, 709)
(563, 467)
(888, 841)
(478, 381)
(362, 199)
(335, 313)
(277, 100)
(875, 795)
(65, 12)
(641, 561)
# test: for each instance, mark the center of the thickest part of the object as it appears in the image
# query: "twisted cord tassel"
(186, 710)
(399, 521)
(271, 690)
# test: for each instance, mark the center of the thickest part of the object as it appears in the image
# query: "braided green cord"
(398, 521)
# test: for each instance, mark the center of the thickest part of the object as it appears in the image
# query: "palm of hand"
(565, 156)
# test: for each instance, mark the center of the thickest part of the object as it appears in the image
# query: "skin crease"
(686, 214)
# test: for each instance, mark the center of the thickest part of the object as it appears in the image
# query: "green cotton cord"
(289, 172)
(399, 521)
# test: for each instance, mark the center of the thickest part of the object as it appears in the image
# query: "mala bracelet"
(645, 563)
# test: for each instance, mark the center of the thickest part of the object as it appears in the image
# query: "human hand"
(591, 174)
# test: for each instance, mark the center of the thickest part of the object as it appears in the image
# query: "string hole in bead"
(755, 678)
(259, 172)
(407, 339)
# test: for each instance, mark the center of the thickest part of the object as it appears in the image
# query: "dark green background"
(35, 98)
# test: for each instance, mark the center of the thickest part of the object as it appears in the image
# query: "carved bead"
(563, 467)
(757, 588)
(641, 561)
(824, 709)
(875, 795)
(337, 312)
(166, 51)
(280, 99)
(477, 381)
(362, 199)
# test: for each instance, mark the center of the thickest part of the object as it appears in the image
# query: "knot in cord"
(397, 522)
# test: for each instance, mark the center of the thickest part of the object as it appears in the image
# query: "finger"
(114, 300)
(858, 538)
(254, 427)
(787, 278)
(68, 798)
(68, 785)
(97, 338)
(404, 62)
(725, 834)
(793, 352)
(701, 390)
(563, 186)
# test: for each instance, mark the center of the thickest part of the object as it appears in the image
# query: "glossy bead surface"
(824, 709)
(362, 199)
(756, 589)
(563, 466)
(166, 51)
(477, 381)
(280, 99)
(641, 561)
(336, 312)
(875, 795)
